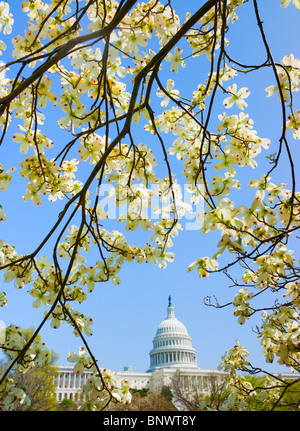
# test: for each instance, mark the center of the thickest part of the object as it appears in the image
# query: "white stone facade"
(172, 355)
(68, 384)
(172, 345)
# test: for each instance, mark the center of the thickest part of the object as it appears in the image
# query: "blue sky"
(126, 316)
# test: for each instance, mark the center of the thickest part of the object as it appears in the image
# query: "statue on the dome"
(169, 305)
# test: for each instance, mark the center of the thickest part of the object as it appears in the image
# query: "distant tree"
(219, 392)
(191, 398)
(38, 384)
(256, 393)
(142, 392)
(147, 401)
(290, 397)
(166, 392)
(249, 392)
(67, 405)
(114, 101)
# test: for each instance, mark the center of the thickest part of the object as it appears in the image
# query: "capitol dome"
(172, 345)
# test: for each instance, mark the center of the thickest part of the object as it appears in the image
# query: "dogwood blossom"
(294, 123)
(6, 18)
(285, 3)
(174, 93)
(176, 60)
(288, 76)
(236, 97)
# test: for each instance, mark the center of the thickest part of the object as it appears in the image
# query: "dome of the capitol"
(172, 345)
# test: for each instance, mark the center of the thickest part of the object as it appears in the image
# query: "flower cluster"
(289, 78)
(280, 335)
(6, 18)
(12, 394)
(101, 386)
(5, 178)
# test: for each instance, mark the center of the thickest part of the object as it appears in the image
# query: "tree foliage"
(149, 401)
(67, 405)
(38, 384)
(88, 92)
(251, 391)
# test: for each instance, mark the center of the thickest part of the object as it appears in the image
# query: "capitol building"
(171, 358)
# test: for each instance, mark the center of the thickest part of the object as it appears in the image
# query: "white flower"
(6, 19)
(236, 96)
(176, 59)
(285, 3)
(173, 93)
